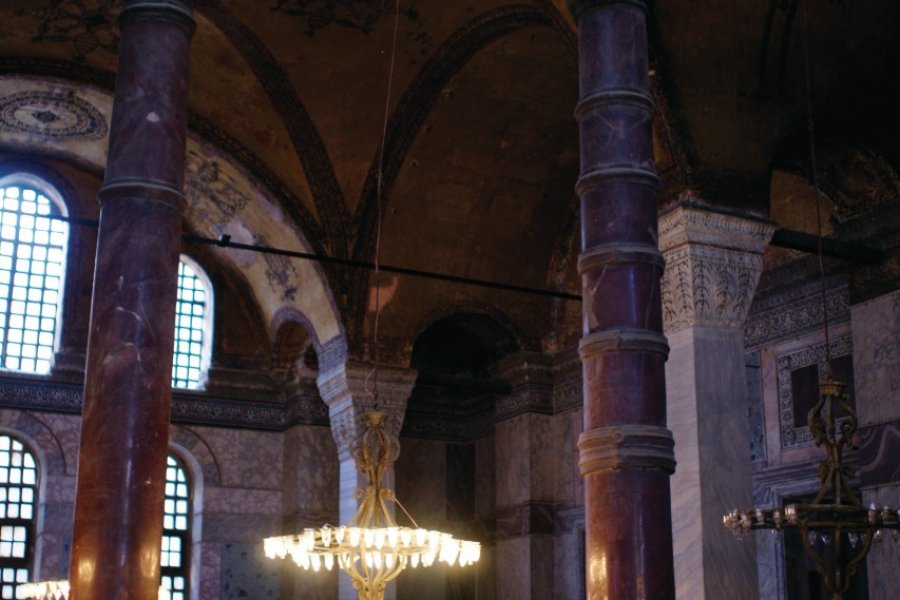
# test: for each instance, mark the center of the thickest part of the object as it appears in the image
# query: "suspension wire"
(811, 126)
(225, 241)
(379, 198)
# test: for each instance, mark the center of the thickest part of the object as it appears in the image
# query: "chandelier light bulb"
(372, 549)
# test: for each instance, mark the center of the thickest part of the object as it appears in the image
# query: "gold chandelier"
(59, 590)
(836, 517)
(371, 548)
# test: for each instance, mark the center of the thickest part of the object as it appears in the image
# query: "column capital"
(713, 263)
(348, 390)
(576, 7)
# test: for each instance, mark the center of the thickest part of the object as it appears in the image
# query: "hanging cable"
(379, 197)
(811, 126)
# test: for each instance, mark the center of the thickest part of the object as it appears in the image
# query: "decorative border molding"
(187, 408)
(792, 436)
(795, 318)
(684, 225)
(52, 114)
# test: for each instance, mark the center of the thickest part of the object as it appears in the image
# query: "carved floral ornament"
(713, 263)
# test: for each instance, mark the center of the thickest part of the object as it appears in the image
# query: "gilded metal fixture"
(371, 548)
(836, 517)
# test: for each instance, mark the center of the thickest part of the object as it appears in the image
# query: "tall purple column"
(127, 395)
(626, 452)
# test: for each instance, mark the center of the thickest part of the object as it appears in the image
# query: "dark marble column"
(626, 451)
(124, 439)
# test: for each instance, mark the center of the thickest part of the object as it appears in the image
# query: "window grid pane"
(189, 324)
(175, 555)
(18, 498)
(32, 255)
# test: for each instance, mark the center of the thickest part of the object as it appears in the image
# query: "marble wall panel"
(418, 583)
(513, 460)
(879, 449)
(247, 573)
(55, 541)
(485, 464)
(514, 576)
(59, 489)
(460, 484)
(569, 559)
(316, 466)
(297, 583)
(687, 530)
(209, 584)
(233, 500)
(543, 448)
(421, 479)
(707, 408)
(239, 527)
(569, 484)
(876, 356)
(249, 459)
(67, 431)
(883, 574)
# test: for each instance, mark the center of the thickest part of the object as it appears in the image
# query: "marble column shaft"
(124, 440)
(713, 263)
(347, 389)
(625, 451)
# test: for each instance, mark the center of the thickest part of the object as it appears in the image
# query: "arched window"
(176, 539)
(193, 327)
(32, 266)
(18, 499)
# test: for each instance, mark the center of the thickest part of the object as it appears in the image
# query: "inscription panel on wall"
(798, 391)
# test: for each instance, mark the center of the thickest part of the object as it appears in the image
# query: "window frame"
(29, 560)
(185, 535)
(206, 339)
(26, 180)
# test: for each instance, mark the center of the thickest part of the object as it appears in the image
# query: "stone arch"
(198, 455)
(41, 439)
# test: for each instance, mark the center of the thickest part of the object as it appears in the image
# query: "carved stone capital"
(349, 391)
(626, 447)
(713, 263)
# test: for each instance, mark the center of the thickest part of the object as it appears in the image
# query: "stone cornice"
(189, 408)
(684, 225)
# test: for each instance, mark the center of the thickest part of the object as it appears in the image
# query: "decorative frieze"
(713, 263)
(798, 317)
(791, 434)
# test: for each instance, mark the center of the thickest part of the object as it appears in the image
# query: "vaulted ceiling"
(480, 155)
